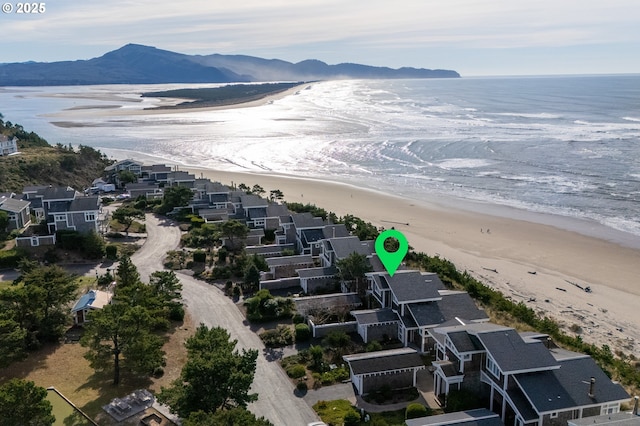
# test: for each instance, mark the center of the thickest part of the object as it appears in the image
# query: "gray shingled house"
(525, 381)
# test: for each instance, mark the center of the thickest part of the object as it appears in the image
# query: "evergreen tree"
(121, 333)
(215, 376)
(24, 403)
(233, 417)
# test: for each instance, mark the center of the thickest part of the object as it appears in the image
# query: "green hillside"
(42, 164)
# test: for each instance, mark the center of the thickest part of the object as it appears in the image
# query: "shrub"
(199, 256)
(297, 319)
(302, 386)
(303, 333)
(176, 312)
(461, 400)
(373, 346)
(352, 418)
(415, 410)
(296, 371)
(281, 336)
(10, 258)
(112, 252)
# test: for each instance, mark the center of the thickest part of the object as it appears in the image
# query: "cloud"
(196, 26)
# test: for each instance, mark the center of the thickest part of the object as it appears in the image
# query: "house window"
(493, 367)
(611, 408)
(89, 217)
(554, 415)
(60, 217)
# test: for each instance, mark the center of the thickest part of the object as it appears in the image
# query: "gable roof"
(253, 201)
(302, 259)
(381, 361)
(93, 299)
(375, 316)
(13, 205)
(465, 342)
(317, 272)
(57, 193)
(413, 286)
(569, 385)
(306, 220)
(335, 231)
(84, 204)
(514, 355)
(451, 306)
(344, 246)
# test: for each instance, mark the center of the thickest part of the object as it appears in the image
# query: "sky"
(475, 38)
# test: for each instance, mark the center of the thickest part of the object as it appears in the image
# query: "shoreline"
(143, 106)
(534, 263)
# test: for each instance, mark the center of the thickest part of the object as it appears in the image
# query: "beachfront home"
(416, 302)
(8, 145)
(112, 171)
(525, 381)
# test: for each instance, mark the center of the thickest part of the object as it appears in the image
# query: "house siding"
(394, 380)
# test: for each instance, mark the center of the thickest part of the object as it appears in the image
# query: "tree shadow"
(35, 360)
(102, 383)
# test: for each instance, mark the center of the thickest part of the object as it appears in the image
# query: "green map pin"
(391, 261)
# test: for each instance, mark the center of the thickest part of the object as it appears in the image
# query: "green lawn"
(333, 412)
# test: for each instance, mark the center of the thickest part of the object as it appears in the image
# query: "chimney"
(592, 386)
(635, 406)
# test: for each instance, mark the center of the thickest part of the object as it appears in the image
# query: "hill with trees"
(39, 163)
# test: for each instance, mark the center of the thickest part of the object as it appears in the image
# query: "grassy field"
(64, 367)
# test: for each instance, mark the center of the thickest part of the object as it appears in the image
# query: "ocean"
(564, 147)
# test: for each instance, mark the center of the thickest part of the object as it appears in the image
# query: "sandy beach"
(127, 106)
(502, 252)
(537, 259)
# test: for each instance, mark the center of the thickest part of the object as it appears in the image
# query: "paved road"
(208, 305)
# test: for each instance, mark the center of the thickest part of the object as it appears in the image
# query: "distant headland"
(137, 64)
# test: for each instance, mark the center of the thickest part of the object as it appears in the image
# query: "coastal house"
(18, 212)
(92, 300)
(525, 381)
(416, 302)
(61, 208)
(156, 173)
(8, 145)
(308, 230)
(397, 368)
(147, 189)
(112, 171)
(181, 178)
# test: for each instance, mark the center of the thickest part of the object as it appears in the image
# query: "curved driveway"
(208, 305)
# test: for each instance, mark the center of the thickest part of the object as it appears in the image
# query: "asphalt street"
(208, 305)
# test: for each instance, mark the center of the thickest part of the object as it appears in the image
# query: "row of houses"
(522, 377)
(59, 208)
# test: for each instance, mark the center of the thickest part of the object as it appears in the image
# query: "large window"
(89, 217)
(493, 367)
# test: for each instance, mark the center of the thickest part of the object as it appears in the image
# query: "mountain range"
(138, 64)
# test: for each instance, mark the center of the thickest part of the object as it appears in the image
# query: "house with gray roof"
(286, 266)
(156, 172)
(397, 368)
(314, 279)
(181, 178)
(421, 302)
(17, 211)
(525, 381)
(308, 232)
